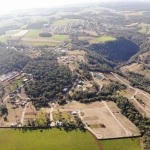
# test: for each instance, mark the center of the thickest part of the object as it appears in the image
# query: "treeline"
(45, 34)
(11, 60)
(97, 62)
(138, 80)
(49, 79)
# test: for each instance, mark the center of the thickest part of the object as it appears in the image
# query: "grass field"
(32, 34)
(4, 38)
(104, 39)
(53, 139)
(121, 144)
(15, 84)
(34, 43)
(143, 30)
(64, 22)
(58, 37)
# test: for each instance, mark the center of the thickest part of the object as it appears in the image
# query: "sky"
(8, 5)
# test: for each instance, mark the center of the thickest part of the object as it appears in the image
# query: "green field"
(143, 30)
(59, 37)
(104, 39)
(53, 139)
(64, 22)
(121, 144)
(32, 34)
(53, 41)
(37, 43)
(14, 85)
(4, 38)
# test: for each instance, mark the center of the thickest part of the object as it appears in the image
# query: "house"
(81, 82)
(58, 123)
(74, 112)
(65, 89)
(13, 125)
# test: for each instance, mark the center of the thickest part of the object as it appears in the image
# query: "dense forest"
(119, 50)
(49, 79)
(11, 60)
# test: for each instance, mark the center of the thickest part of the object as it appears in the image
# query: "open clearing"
(32, 34)
(98, 117)
(104, 39)
(121, 144)
(143, 30)
(21, 33)
(32, 39)
(64, 22)
(54, 139)
(36, 43)
(76, 52)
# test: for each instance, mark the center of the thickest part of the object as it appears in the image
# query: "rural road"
(136, 92)
(128, 133)
(23, 113)
(5, 98)
(51, 117)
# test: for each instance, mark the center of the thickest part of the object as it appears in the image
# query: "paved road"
(128, 133)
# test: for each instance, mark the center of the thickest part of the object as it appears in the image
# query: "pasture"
(32, 39)
(54, 139)
(14, 85)
(121, 144)
(104, 39)
(4, 38)
(64, 22)
(143, 30)
(38, 43)
(32, 34)
(102, 122)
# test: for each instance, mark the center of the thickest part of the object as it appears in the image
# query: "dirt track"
(40, 40)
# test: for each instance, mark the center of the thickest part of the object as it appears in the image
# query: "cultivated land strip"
(126, 131)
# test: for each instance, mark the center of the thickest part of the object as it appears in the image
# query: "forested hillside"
(11, 60)
(117, 51)
(49, 79)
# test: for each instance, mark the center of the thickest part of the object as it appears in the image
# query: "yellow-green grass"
(4, 38)
(53, 139)
(14, 85)
(104, 39)
(121, 144)
(143, 30)
(64, 22)
(76, 52)
(32, 34)
(57, 115)
(38, 43)
(93, 126)
(58, 37)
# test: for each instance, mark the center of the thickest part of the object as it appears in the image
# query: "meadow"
(143, 30)
(53, 139)
(121, 144)
(14, 85)
(104, 39)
